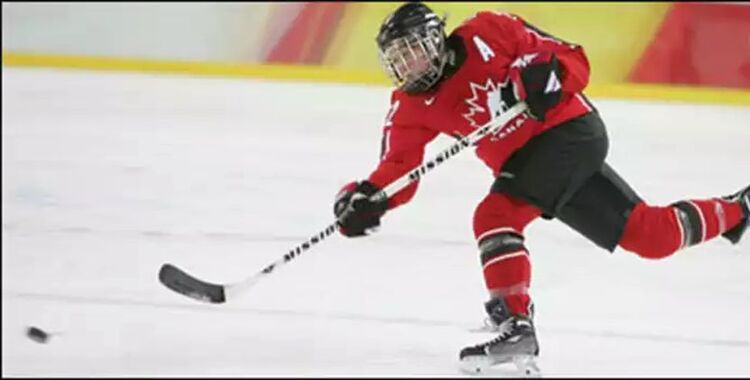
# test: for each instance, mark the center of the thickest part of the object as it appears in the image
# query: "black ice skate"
(516, 343)
(743, 198)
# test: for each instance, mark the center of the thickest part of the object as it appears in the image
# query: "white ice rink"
(105, 177)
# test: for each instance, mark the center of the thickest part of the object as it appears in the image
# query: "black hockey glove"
(359, 216)
(538, 79)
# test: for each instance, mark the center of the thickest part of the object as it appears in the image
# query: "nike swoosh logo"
(429, 101)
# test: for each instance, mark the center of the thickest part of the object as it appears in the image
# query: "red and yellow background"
(642, 50)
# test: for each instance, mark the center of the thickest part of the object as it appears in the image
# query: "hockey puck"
(36, 334)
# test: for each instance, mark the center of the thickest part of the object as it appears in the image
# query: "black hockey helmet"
(412, 48)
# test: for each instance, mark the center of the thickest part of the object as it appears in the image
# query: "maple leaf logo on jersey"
(486, 99)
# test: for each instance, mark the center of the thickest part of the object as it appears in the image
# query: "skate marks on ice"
(224, 236)
(666, 338)
(345, 316)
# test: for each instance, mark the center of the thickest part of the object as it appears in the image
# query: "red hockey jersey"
(494, 43)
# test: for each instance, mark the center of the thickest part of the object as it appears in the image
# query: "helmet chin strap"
(450, 56)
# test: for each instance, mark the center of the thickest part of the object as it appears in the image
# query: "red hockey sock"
(508, 277)
(656, 232)
(499, 221)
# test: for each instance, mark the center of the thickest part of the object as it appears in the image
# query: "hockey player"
(549, 162)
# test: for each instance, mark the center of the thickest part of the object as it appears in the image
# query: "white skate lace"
(505, 330)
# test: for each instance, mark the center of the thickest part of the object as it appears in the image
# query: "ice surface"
(107, 176)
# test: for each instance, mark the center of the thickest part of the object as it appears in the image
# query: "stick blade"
(178, 280)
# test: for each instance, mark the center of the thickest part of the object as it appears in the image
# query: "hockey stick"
(181, 282)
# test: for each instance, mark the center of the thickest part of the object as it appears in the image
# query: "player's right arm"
(402, 149)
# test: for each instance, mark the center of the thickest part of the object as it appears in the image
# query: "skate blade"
(475, 365)
(525, 366)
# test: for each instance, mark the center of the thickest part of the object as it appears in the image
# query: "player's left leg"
(536, 178)
(499, 223)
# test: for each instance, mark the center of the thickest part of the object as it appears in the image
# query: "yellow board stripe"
(337, 75)
(276, 72)
(690, 94)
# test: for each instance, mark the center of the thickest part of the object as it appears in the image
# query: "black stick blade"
(185, 284)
